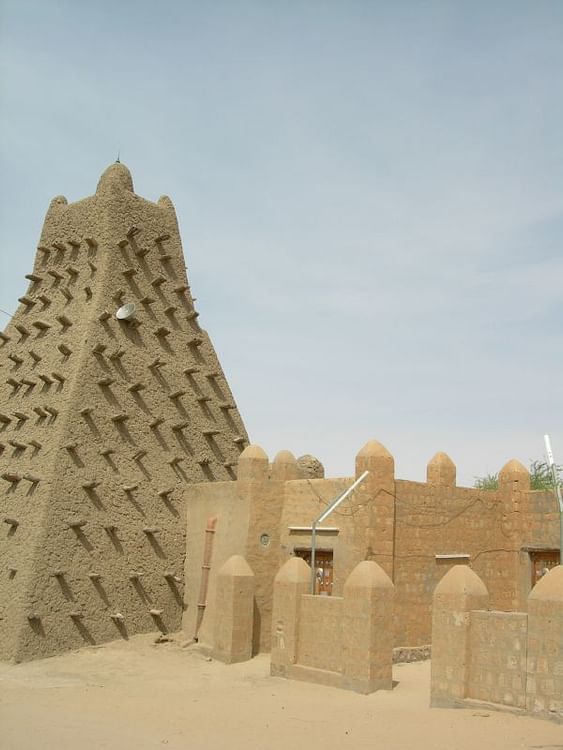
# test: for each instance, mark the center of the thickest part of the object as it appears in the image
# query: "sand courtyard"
(142, 695)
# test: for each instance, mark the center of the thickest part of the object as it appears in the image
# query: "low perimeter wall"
(343, 641)
(510, 659)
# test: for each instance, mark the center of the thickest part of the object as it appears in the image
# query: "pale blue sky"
(370, 196)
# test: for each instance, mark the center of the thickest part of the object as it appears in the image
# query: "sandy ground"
(138, 695)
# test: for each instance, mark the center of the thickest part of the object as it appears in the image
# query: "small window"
(542, 562)
(324, 568)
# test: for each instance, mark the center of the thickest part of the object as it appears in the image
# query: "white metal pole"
(332, 506)
(553, 467)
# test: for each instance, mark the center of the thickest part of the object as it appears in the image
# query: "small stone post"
(460, 591)
(284, 466)
(513, 492)
(367, 629)
(291, 582)
(265, 503)
(544, 684)
(235, 611)
(252, 465)
(514, 477)
(441, 471)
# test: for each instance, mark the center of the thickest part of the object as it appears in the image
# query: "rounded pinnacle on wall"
(56, 203)
(441, 459)
(514, 471)
(514, 467)
(253, 452)
(460, 579)
(116, 177)
(375, 458)
(550, 586)
(253, 463)
(295, 570)
(284, 457)
(373, 448)
(236, 566)
(441, 470)
(285, 466)
(368, 575)
(166, 203)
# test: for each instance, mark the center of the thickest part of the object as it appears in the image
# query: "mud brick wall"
(103, 423)
(416, 531)
(344, 641)
(497, 657)
(305, 500)
(542, 512)
(544, 684)
(433, 521)
(320, 632)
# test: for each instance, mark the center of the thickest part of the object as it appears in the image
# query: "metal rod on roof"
(326, 512)
(557, 488)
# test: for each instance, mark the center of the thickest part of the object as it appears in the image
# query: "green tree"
(488, 482)
(541, 478)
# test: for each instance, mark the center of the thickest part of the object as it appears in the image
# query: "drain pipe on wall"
(557, 488)
(332, 506)
(205, 568)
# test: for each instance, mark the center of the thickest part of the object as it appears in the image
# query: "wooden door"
(542, 562)
(324, 568)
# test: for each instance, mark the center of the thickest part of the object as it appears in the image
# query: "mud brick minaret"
(102, 424)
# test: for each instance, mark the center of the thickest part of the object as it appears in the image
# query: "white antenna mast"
(557, 488)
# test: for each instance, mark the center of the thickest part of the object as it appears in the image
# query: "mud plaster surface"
(139, 695)
(103, 423)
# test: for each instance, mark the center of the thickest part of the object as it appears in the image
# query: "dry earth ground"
(140, 696)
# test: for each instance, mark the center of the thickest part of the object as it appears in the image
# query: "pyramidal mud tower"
(102, 423)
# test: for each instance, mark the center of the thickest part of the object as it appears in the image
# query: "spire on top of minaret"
(116, 176)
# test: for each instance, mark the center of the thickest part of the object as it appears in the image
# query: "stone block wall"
(510, 659)
(542, 515)
(320, 632)
(497, 657)
(544, 685)
(459, 592)
(336, 641)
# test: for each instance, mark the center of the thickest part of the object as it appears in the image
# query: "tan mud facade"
(415, 531)
(103, 424)
(119, 451)
(338, 641)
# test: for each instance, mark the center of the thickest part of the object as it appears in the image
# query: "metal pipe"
(325, 514)
(205, 568)
(557, 489)
(313, 551)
